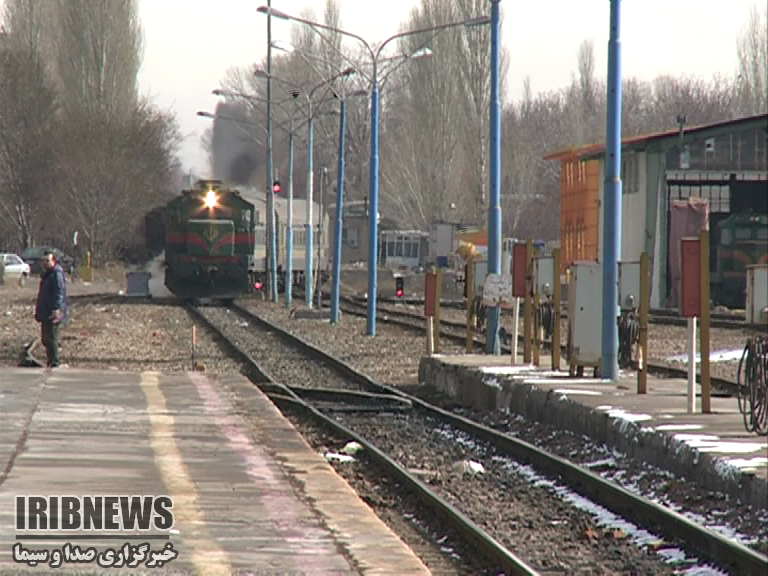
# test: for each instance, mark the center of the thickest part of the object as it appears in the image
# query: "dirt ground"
(17, 307)
(355, 281)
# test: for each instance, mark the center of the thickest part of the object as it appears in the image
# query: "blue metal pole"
(289, 223)
(373, 207)
(308, 226)
(336, 288)
(612, 202)
(492, 344)
(272, 236)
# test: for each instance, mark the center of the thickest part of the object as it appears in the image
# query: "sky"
(190, 44)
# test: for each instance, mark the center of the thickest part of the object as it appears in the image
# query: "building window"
(352, 237)
(630, 181)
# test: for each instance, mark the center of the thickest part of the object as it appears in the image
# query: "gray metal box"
(585, 313)
(138, 283)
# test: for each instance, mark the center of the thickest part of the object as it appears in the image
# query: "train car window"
(743, 233)
(762, 233)
(725, 236)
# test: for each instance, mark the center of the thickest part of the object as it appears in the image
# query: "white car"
(15, 268)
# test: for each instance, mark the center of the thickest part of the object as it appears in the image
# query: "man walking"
(51, 309)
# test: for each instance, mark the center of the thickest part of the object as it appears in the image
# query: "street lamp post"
(373, 195)
(289, 223)
(336, 281)
(309, 227)
(321, 218)
(271, 235)
(612, 201)
(289, 219)
(492, 344)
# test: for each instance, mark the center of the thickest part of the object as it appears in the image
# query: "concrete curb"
(487, 393)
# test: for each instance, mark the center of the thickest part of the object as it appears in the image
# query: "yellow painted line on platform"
(207, 556)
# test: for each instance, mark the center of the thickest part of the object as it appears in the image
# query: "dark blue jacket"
(52, 294)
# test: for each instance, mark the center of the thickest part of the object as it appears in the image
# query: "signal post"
(694, 302)
(519, 283)
(527, 306)
(430, 308)
(467, 252)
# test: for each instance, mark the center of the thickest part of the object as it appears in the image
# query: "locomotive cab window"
(725, 237)
(743, 234)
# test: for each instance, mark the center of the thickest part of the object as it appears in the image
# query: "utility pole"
(271, 247)
(612, 202)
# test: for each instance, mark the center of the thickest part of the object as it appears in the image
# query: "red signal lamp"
(257, 285)
(276, 188)
(399, 286)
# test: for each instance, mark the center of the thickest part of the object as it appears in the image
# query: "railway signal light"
(276, 187)
(399, 286)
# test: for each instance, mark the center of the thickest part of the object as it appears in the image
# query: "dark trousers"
(50, 338)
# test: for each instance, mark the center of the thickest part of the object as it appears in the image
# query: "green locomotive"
(742, 240)
(209, 243)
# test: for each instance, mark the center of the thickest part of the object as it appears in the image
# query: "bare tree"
(27, 122)
(99, 45)
(437, 120)
(117, 152)
(535, 126)
(752, 50)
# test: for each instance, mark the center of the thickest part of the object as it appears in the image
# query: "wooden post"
(527, 328)
(430, 335)
(194, 346)
(536, 327)
(556, 296)
(430, 306)
(706, 389)
(470, 280)
(644, 304)
(438, 292)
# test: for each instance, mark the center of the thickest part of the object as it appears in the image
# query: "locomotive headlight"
(210, 199)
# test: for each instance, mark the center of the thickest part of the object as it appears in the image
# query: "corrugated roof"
(640, 140)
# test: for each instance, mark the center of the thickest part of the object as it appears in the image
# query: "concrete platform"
(250, 496)
(713, 449)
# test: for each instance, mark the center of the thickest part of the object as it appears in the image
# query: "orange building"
(723, 163)
(579, 206)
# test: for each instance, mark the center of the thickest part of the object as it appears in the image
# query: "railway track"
(456, 332)
(664, 316)
(357, 387)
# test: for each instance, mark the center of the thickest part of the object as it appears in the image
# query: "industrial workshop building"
(725, 163)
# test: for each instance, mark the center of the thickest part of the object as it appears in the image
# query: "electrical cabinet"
(585, 313)
(629, 285)
(506, 255)
(481, 271)
(757, 294)
(543, 275)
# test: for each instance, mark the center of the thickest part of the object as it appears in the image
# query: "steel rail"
(706, 543)
(486, 544)
(722, 385)
(663, 316)
(280, 393)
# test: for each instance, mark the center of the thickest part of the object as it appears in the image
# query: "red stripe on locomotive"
(210, 259)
